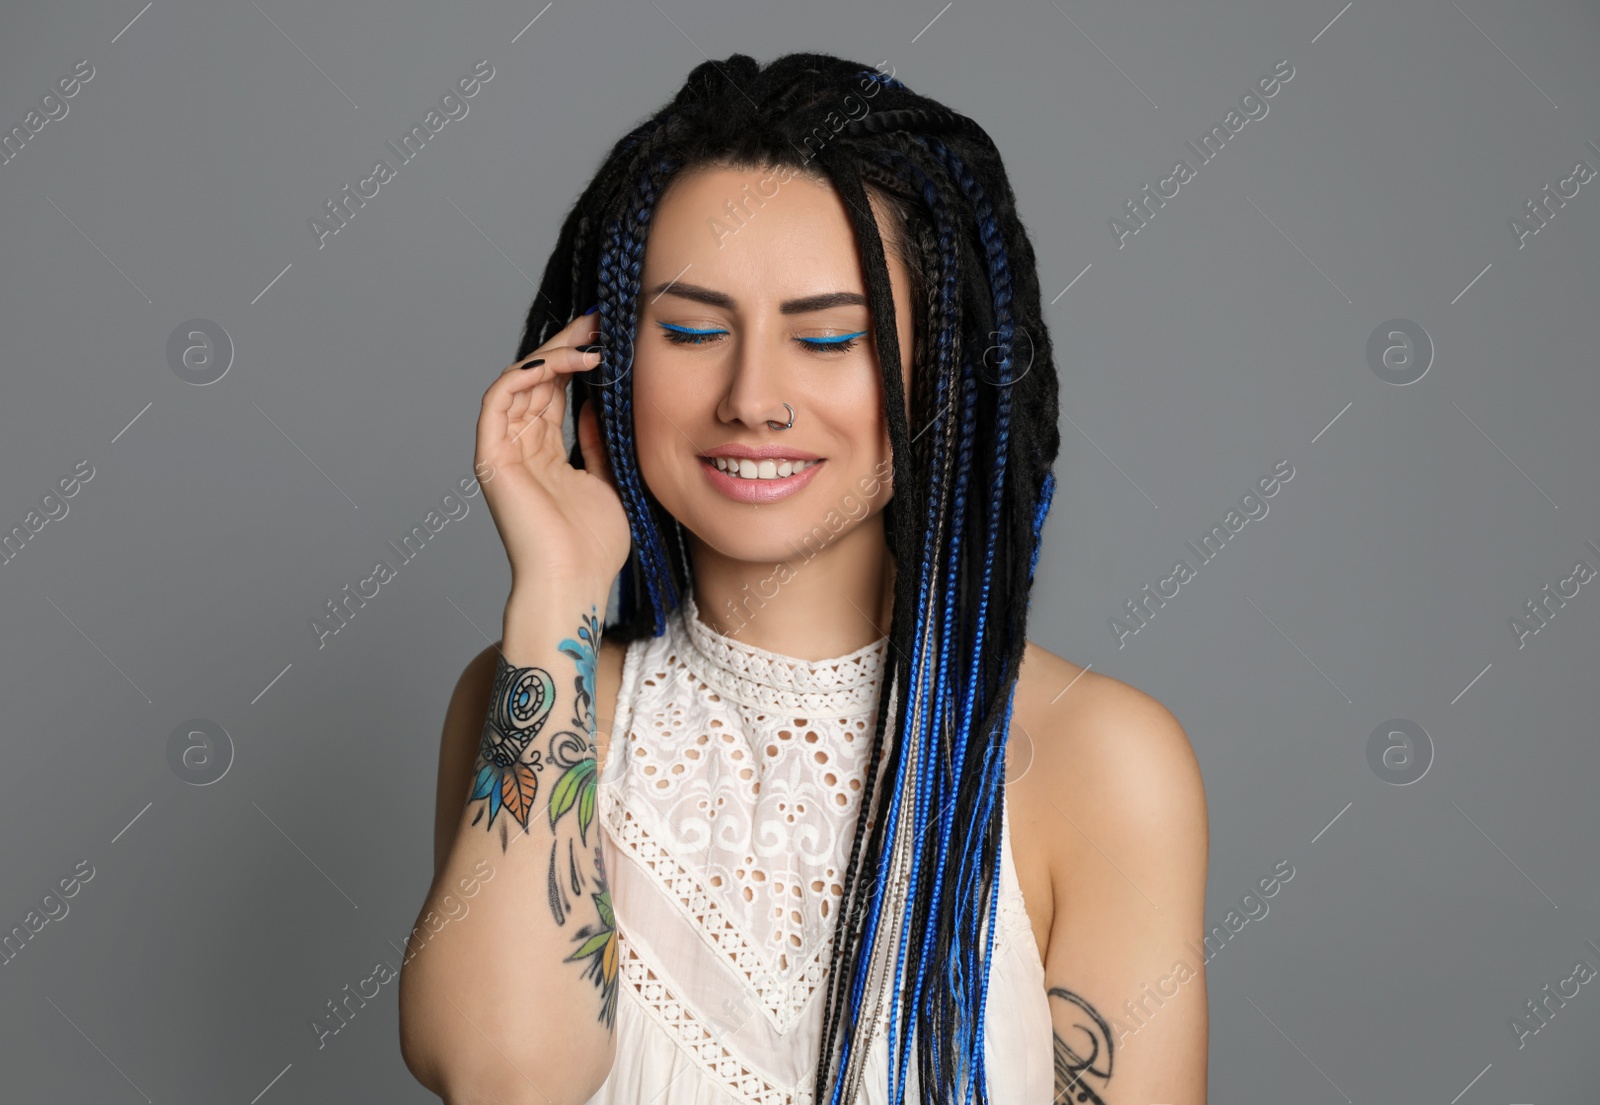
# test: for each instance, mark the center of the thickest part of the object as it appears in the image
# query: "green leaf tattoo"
(514, 752)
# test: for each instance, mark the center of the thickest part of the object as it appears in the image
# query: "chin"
(760, 535)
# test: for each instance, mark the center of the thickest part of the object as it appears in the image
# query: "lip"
(760, 491)
(761, 452)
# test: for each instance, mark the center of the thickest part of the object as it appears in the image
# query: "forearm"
(520, 995)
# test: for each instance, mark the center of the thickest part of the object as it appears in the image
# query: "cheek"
(659, 396)
(669, 392)
(669, 428)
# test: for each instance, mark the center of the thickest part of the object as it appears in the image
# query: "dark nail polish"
(593, 309)
(534, 364)
(587, 348)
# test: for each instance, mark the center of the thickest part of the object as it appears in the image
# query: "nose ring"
(773, 422)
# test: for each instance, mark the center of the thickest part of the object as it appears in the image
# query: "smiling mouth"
(767, 468)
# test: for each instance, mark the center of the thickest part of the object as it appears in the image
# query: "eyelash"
(682, 335)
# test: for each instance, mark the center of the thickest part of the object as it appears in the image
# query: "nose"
(757, 382)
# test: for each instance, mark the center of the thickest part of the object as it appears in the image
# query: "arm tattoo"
(514, 755)
(1071, 1066)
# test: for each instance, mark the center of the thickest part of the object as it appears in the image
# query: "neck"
(815, 606)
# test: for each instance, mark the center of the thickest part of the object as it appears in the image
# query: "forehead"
(756, 233)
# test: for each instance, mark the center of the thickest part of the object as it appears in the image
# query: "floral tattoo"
(514, 754)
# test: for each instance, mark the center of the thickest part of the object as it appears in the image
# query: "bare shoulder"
(1106, 759)
(1118, 842)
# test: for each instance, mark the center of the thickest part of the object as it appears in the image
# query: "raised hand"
(559, 523)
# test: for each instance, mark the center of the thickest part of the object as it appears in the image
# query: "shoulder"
(1116, 808)
(1107, 763)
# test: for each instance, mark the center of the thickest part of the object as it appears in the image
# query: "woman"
(783, 886)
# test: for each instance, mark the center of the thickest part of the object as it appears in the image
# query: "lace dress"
(728, 803)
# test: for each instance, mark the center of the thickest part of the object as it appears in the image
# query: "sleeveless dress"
(728, 804)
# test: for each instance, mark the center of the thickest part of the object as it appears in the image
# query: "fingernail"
(534, 364)
(593, 309)
(587, 348)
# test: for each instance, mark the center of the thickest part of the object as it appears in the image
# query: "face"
(740, 313)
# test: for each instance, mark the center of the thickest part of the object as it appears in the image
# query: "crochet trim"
(777, 683)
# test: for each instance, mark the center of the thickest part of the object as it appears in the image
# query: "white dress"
(728, 801)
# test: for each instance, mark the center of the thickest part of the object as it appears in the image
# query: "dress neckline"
(841, 686)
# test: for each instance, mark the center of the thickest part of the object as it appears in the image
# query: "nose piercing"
(773, 422)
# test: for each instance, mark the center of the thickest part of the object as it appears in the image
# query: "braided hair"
(972, 487)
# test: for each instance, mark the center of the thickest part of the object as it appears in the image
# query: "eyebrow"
(803, 305)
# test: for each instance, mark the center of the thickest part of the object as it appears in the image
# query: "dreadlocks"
(972, 486)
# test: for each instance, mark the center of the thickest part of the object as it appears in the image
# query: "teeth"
(749, 469)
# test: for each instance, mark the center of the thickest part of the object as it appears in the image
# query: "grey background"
(1227, 335)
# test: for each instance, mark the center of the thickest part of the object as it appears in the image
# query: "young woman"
(854, 837)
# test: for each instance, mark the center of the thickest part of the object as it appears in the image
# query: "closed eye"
(686, 335)
(841, 342)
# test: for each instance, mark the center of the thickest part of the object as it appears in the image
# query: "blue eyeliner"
(838, 340)
(833, 341)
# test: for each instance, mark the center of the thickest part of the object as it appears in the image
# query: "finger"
(525, 389)
(580, 331)
(551, 405)
(583, 330)
(547, 400)
(518, 389)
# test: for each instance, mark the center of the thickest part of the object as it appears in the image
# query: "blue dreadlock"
(976, 476)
